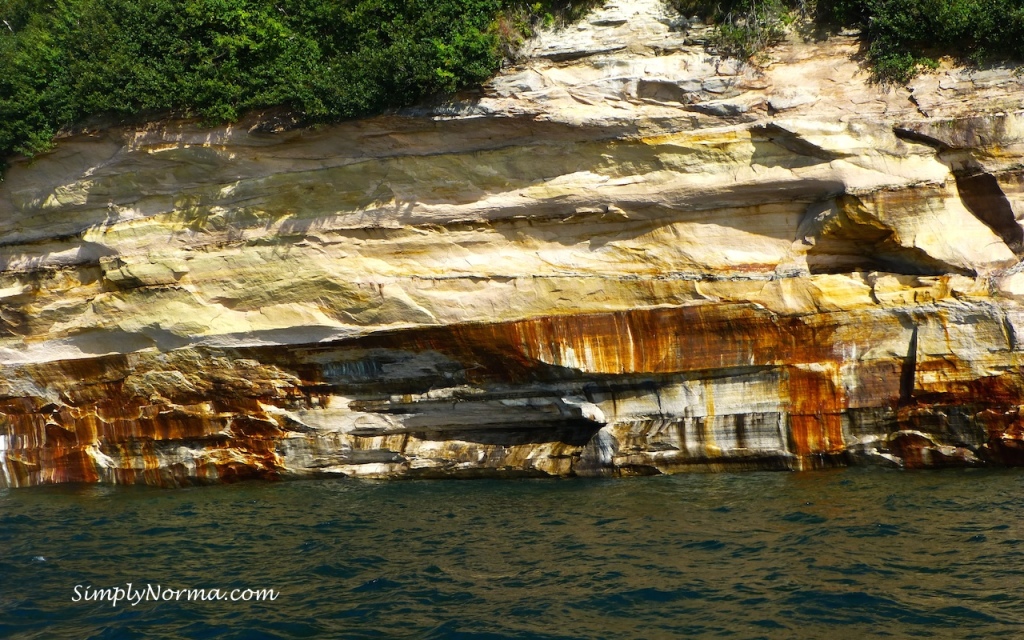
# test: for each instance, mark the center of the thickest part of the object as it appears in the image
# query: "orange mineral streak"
(668, 340)
(656, 341)
(107, 436)
(196, 416)
(951, 381)
(816, 405)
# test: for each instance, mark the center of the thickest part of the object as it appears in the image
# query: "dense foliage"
(900, 36)
(63, 62)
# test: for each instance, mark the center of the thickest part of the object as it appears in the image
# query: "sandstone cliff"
(627, 256)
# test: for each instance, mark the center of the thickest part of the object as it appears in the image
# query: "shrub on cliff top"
(63, 62)
(903, 35)
(900, 36)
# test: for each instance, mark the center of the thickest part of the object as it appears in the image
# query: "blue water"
(843, 554)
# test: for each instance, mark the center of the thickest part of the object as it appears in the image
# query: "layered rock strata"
(627, 256)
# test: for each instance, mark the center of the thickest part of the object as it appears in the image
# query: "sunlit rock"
(628, 256)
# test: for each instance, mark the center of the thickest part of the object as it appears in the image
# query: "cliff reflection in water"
(857, 552)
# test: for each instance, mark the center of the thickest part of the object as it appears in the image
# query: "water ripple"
(849, 553)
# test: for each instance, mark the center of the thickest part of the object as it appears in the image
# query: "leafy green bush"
(900, 36)
(974, 29)
(67, 61)
(751, 28)
(743, 28)
(519, 18)
(64, 62)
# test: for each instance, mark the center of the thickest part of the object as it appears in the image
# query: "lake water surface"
(843, 554)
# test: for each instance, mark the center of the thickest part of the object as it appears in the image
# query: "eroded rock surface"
(628, 256)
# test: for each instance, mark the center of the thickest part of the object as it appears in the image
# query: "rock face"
(628, 256)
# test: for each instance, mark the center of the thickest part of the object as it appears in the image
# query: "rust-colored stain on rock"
(778, 275)
(643, 391)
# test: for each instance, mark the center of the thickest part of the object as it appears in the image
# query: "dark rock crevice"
(984, 198)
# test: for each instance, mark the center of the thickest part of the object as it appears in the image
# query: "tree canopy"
(63, 62)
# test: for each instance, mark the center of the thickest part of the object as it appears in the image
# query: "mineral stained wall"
(625, 256)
